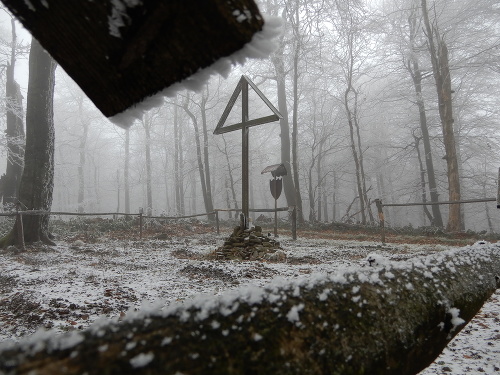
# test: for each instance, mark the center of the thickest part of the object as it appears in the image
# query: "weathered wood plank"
(120, 52)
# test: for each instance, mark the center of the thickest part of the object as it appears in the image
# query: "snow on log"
(385, 318)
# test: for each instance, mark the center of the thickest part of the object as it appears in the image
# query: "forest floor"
(93, 274)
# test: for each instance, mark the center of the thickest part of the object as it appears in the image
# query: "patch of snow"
(257, 337)
(166, 341)
(130, 345)
(324, 294)
(141, 360)
(293, 314)
(375, 259)
(86, 284)
(455, 318)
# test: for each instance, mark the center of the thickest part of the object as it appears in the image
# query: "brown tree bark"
(422, 180)
(279, 67)
(207, 196)
(178, 163)
(416, 74)
(295, 124)
(147, 122)
(37, 182)
(381, 319)
(441, 71)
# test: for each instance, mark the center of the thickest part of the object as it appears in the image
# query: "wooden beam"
(120, 54)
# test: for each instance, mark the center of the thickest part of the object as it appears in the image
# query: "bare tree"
(9, 182)
(438, 51)
(147, 123)
(82, 149)
(203, 168)
(37, 182)
(413, 67)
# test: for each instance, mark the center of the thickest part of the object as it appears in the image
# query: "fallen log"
(385, 318)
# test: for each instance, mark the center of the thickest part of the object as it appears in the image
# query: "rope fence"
(141, 216)
(380, 206)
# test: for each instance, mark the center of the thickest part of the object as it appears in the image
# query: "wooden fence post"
(294, 222)
(217, 221)
(20, 229)
(140, 222)
(498, 189)
(378, 202)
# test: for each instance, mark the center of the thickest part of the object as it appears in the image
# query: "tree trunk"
(147, 122)
(206, 160)
(83, 156)
(325, 202)
(318, 178)
(441, 71)
(126, 173)
(37, 182)
(178, 164)
(414, 69)
(310, 190)
(334, 196)
(279, 67)
(422, 180)
(295, 150)
(207, 197)
(118, 188)
(14, 131)
(230, 174)
(361, 162)
(390, 319)
(355, 156)
(228, 200)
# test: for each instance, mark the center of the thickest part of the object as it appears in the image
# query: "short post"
(275, 208)
(243, 221)
(294, 221)
(498, 188)
(141, 211)
(20, 229)
(378, 202)
(217, 221)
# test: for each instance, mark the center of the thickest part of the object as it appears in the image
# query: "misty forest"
(382, 99)
(383, 112)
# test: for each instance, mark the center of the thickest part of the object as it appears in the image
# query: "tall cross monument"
(244, 125)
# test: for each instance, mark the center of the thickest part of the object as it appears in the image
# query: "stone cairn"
(250, 244)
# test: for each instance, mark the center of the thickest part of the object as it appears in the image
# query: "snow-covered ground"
(71, 285)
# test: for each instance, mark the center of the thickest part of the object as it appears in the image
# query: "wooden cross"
(244, 125)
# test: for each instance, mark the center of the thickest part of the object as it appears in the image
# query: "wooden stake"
(378, 202)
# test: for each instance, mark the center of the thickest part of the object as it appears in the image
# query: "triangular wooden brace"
(221, 129)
